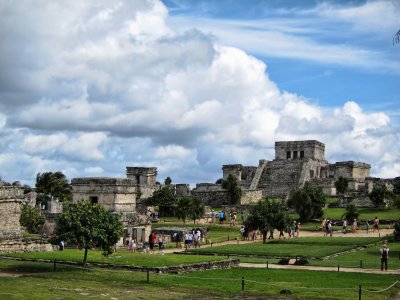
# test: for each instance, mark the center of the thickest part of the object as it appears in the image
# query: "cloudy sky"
(90, 87)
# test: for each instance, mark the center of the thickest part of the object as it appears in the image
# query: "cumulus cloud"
(102, 86)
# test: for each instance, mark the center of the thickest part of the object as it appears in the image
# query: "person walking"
(376, 224)
(384, 257)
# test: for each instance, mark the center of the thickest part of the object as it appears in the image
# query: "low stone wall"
(24, 245)
(212, 198)
(201, 266)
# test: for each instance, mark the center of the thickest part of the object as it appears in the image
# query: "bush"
(32, 218)
(283, 261)
(351, 212)
(377, 196)
(301, 262)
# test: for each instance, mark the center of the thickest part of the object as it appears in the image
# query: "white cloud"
(116, 86)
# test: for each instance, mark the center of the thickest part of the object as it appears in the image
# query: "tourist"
(221, 217)
(61, 246)
(160, 245)
(297, 229)
(242, 232)
(294, 225)
(323, 226)
(190, 239)
(354, 226)
(326, 230)
(281, 235)
(384, 257)
(152, 241)
(145, 247)
(130, 244)
(213, 216)
(330, 228)
(186, 240)
(376, 224)
(344, 226)
(367, 226)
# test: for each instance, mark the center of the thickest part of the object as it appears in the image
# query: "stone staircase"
(257, 175)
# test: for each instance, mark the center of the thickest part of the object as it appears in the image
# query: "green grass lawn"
(72, 283)
(370, 258)
(365, 213)
(301, 247)
(120, 257)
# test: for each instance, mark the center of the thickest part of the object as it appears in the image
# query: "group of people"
(327, 227)
(193, 238)
(221, 216)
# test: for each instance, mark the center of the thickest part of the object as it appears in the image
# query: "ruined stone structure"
(295, 164)
(11, 240)
(11, 198)
(120, 195)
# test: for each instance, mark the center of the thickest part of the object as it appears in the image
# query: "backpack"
(384, 253)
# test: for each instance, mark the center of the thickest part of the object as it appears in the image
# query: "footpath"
(382, 233)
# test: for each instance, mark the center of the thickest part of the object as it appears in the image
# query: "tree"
(168, 181)
(266, 215)
(234, 190)
(219, 181)
(32, 218)
(183, 208)
(396, 231)
(161, 197)
(377, 196)
(396, 38)
(351, 212)
(308, 201)
(189, 207)
(51, 185)
(196, 209)
(88, 225)
(341, 185)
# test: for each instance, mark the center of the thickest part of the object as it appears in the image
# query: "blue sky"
(90, 87)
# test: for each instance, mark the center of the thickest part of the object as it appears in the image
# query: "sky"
(90, 87)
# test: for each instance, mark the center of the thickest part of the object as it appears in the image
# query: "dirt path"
(317, 268)
(382, 233)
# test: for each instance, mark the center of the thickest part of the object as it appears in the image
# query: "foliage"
(51, 185)
(32, 218)
(219, 181)
(396, 201)
(234, 190)
(168, 181)
(351, 212)
(308, 202)
(183, 208)
(396, 38)
(341, 185)
(88, 225)
(377, 196)
(27, 189)
(197, 209)
(189, 207)
(162, 197)
(268, 214)
(396, 186)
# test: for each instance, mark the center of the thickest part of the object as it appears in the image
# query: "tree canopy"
(51, 185)
(266, 215)
(341, 185)
(32, 218)
(168, 181)
(351, 212)
(308, 201)
(233, 188)
(88, 225)
(377, 196)
(189, 207)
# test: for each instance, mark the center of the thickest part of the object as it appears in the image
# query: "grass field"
(302, 247)
(365, 213)
(120, 257)
(370, 258)
(71, 283)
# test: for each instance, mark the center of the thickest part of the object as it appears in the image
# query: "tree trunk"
(85, 256)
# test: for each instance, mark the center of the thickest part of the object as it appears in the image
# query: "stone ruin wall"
(11, 198)
(114, 194)
(10, 210)
(251, 196)
(211, 194)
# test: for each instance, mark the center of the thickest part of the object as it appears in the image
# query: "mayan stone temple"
(295, 164)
